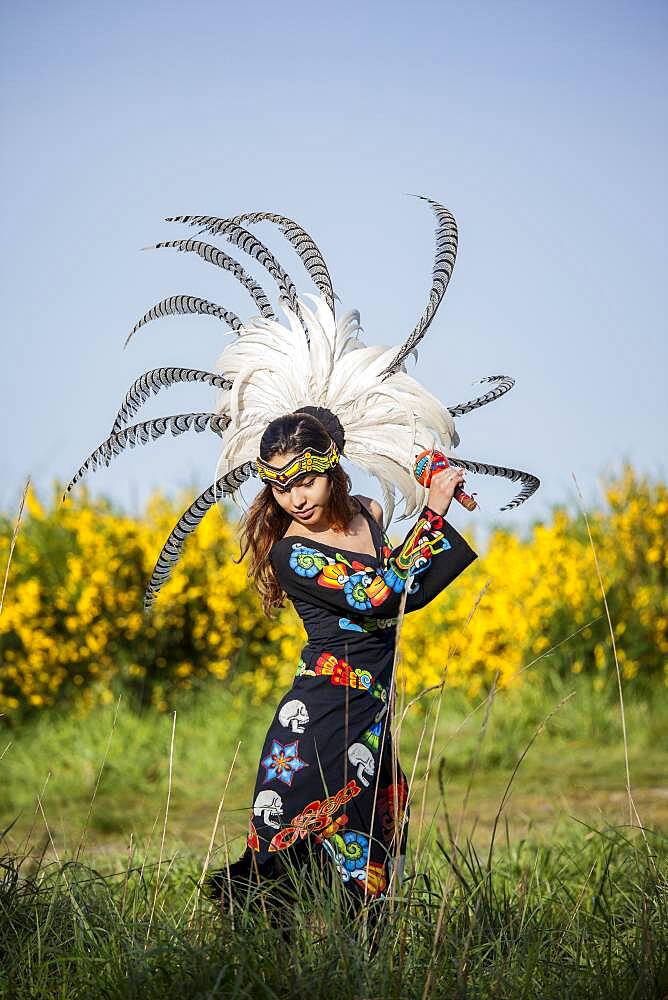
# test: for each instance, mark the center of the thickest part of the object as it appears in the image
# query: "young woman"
(326, 781)
(328, 784)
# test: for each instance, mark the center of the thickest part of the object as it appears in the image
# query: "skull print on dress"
(362, 758)
(269, 806)
(294, 715)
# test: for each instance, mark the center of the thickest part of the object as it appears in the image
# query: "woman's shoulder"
(279, 553)
(282, 551)
(279, 544)
(287, 541)
(372, 506)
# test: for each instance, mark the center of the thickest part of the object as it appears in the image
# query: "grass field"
(570, 902)
(575, 768)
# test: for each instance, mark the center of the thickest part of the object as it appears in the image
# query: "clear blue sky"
(540, 125)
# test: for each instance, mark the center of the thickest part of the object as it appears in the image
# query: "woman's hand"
(441, 491)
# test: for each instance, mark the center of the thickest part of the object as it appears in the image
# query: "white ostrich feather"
(274, 370)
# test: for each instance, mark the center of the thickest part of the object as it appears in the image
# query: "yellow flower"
(72, 624)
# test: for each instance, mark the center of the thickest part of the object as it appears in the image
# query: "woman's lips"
(306, 513)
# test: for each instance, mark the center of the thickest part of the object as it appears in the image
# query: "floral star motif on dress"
(282, 762)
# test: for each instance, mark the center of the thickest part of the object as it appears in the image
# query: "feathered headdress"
(312, 359)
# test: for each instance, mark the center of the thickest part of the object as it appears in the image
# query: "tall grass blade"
(13, 542)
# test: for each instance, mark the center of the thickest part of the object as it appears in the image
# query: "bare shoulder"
(373, 506)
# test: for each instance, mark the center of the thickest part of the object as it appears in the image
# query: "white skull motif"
(269, 805)
(294, 716)
(362, 758)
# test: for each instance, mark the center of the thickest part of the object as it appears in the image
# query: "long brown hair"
(265, 521)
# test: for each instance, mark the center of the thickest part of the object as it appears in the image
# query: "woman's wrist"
(438, 509)
(439, 506)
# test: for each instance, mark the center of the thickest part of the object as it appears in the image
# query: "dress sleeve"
(433, 551)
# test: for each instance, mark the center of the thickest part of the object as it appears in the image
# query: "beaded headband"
(307, 461)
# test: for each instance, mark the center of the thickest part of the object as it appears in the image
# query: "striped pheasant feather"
(529, 481)
(153, 381)
(251, 245)
(503, 384)
(446, 253)
(311, 257)
(180, 304)
(188, 522)
(148, 430)
(214, 255)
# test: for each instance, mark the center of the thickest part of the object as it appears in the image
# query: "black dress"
(327, 775)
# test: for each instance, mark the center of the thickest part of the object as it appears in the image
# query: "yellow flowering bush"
(72, 628)
(527, 597)
(73, 625)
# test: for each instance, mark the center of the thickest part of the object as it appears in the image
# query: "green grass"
(575, 767)
(579, 919)
(565, 898)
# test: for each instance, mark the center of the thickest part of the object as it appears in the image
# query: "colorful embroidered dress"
(326, 770)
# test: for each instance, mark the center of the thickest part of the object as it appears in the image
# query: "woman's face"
(307, 499)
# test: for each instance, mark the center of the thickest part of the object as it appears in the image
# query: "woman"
(326, 777)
